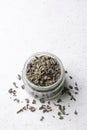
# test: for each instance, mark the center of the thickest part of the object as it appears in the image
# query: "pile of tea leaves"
(43, 71)
(71, 91)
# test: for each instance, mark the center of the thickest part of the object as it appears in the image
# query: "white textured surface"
(56, 26)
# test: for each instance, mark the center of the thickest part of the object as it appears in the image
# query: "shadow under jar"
(43, 75)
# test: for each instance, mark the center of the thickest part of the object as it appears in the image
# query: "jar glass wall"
(46, 92)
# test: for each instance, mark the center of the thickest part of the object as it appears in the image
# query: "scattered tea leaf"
(42, 118)
(36, 96)
(20, 110)
(59, 113)
(72, 98)
(76, 88)
(14, 83)
(53, 116)
(59, 100)
(49, 102)
(22, 86)
(76, 113)
(42, 100)
(66, 71)
(32, 109)
(27, 100)
(17, 100)
(10, 90)
(61, 118)
(19, 77)
(76, 84)
(76, 92)
(34, 101)
(71, 87)
(70, 77)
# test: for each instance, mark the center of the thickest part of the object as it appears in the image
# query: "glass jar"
(45, 92)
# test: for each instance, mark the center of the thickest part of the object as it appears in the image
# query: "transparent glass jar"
(45, 92)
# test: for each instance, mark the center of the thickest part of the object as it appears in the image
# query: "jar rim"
(36, 87)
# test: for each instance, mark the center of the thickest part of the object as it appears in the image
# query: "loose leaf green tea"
(15, 85)
(34, 101)
(43, 71)
(32, 109)
(22, 86)
(42, 118)
(45, 106)
(19, 77)
(27, 100)
(17, 100)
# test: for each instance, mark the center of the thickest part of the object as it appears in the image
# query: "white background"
(29, 26)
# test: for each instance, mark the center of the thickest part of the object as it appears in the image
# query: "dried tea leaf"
(22, 86)
(66, 71)
(59, 100)
(20, 110)
(27, 100)
(71, 87)
(61, 118)
(19, 77)
(14, 83)
(42, 100)
(36, 96)
(10, 91)
(76, 88)
(72, 98)
(36, 57)
(27, 106)
(53, 116)
(59, 113)
(76, 113)
(34, 101)
(49, 102)
(76, 92)
(17, 100)
(42, 118)
(76, 84)
(24, 108)
(69, 93)
(70, 77)
(32, 109)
